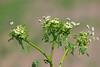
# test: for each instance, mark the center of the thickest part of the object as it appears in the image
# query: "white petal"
(92, 28)
(68, 18)
(77, 24)
(88, 26)
(90, 40)
(97, 38)
(73, 23)
(11, 23)
(39, 20)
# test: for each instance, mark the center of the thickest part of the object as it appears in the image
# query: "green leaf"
(82, 50)
(71, 47)
(35, 63)
(21, 43)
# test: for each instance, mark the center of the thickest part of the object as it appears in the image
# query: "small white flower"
(90, 40)
(92, 28)
(11, 23)
(88, 26)
(68, 25)
(77, 24)
(56, 18)
(18, 28)
(68, 18)
(16, 31)
(92, 33)
(48, 17)
(43, 17)
(73, 23)
(54, 21)
(39, 20)
(97, 38)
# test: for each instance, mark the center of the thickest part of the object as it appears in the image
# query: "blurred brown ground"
(28, 12)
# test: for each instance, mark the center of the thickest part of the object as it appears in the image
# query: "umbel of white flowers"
(91, 33)
(56, 30)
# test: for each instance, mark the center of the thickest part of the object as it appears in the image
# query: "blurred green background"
(28, 12)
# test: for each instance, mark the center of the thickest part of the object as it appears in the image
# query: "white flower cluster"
(54, 21)
(91, 33)
(48, 18)
(68, 25)
(56, 30)
(75, 24)
(71, 24)
(18, 30)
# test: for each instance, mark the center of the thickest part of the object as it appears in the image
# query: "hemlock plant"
(57, 33)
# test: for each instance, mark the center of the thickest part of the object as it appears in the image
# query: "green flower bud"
(19, 33)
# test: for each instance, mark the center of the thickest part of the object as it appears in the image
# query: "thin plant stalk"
(51, 64)
(37, 48)
(52, 51)
(63, 57)
(51, 57)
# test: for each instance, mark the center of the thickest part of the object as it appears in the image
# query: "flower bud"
(11, 23)
(88, 26)
(68, 19)
(92, 28)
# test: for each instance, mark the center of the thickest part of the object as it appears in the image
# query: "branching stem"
(51, 57)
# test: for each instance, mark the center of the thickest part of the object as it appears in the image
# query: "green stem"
(52, 50)
(51, 64)
(37, 48)
(63, 57)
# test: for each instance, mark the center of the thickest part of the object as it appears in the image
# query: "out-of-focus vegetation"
(28, 11)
